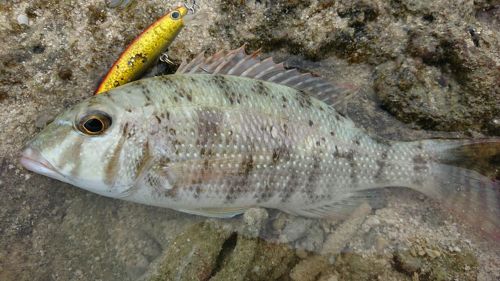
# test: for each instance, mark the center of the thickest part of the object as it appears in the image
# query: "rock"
(211, 250)
(332, 277)
(432, 253)
(279, 222)
(407, 263)
(302, 253)
(380, 244)
(437, 265)
(370, 222)
(22, 19)
(238, 262)
(438, 274)
(193, 253)
(271, 262)
(313, 240)
(352, 266)
(254, 219)
(309, 269)
(336, 240)
(295, 229)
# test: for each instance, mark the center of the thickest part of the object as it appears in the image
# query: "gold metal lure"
(144, 50)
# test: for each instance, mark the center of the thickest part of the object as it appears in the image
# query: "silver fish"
(232, 132)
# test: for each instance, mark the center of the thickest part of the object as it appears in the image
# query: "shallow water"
(54, 53)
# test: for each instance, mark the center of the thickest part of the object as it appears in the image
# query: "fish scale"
(219, 137)
(240, 148)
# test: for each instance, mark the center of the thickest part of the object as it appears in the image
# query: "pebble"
(380, 244)
(23, 19)
(432, 253)
(407, 263)
(308, 269)
(329, 278)
(337, 240)
(313, 239)
(301, 253)
(255, 216)
(370, 222)
(279, 222)
(254, 220)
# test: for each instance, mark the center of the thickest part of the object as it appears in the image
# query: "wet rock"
(309, 269)
(211, 251)
(352, 266)
(235, 264)
(332, 277)
(254, 219)
(313, 240)
(338, 239)
(407, 263)
(295, 229)
(271, 262)
(193, 254)
(447, 84)
(380, 244)
(279, 222)
(437, 265)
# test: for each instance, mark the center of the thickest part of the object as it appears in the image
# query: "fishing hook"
(191, 7)
(164, 58)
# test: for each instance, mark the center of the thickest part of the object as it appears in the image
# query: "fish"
(145, 50)
(232, 132)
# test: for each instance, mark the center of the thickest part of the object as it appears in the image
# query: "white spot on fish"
(274, 132)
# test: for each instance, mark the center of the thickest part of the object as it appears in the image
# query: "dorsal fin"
(238, 63)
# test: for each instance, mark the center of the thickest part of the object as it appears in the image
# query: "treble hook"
(191, 7)
(164, 58)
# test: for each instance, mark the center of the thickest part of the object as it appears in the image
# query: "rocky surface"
(421, 69)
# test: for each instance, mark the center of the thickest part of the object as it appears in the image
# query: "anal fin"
(215, 212)
(341, 208)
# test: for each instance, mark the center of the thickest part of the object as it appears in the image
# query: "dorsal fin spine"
(238, 63)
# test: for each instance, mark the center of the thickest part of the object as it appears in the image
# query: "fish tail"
(465, 176)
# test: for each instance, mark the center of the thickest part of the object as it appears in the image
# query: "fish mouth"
(33, 160)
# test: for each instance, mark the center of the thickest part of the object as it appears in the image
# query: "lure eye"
(94, 123)
(175, 15)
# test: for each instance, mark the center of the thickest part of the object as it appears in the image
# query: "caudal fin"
(466, 179)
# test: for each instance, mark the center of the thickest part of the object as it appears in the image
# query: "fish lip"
(33, 160)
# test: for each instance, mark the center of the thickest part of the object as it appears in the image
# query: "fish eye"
(94, 123)
(175, 15)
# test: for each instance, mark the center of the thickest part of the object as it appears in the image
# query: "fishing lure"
(145, 49)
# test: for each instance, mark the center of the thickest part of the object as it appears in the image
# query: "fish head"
(91, 145)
